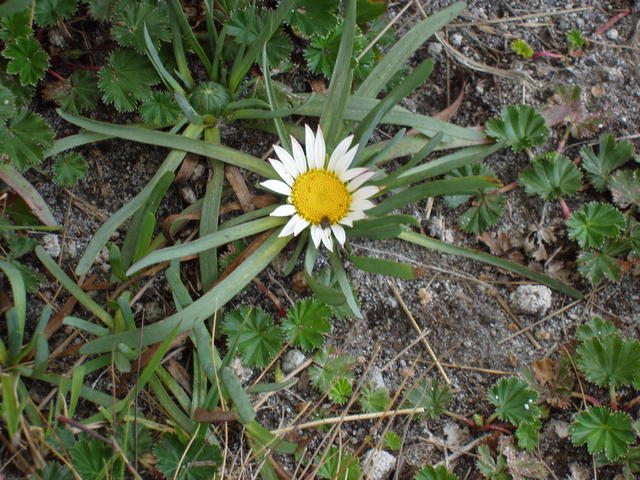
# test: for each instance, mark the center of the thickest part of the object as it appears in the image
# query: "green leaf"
(609, 360)
(384, 267)
(161, 110)
(575, 39)
(594, 222)
(25, 139)
(337, 464)
(306, 323)
(238, 396)
(520, 127)
(69, 169)
(374, 399)
(596, 266)
(473, 170)
(16, 25)
(596, 328)
(254, 334)
(102, 9)
(522, 48)
(129, 20)
(369, 10)
(551, 176)
(486, 212)
(313, 16)
(611, 155)
(7, 105)
(126, 80)
(48, 12)
(199, 462)
(528, 435)
(514, 401)
(431, 473)
(625, 187)
(80, 92)
(603, 431)
(490, 468)
(91, 458)
(341, 391)
(430, 395)
(28, 59)
(54, 471)
(329, 369)
(392, 440)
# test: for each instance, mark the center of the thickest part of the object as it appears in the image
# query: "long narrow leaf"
(18, 291)
(384, 267)
(28, 193)
(73, 141)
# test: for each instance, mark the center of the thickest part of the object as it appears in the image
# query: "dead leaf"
(451, 110)
(318, 85)
(543, 371)
(236, 180)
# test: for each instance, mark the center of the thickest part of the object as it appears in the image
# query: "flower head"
(324, 196)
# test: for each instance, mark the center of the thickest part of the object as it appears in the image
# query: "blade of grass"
(28, 193)
(18, 292)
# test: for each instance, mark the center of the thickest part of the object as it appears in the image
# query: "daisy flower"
(323, 195)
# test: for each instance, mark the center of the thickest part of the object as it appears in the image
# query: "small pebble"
(435, 48)
(51, 244)
(378, 464)
(612, 34)
(531, 299)
(244, 374)
(188, 195)
(561, 428)
(456, 39)
(292, 360)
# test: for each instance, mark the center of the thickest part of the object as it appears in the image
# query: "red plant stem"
(281, 310)
(565, 209)
(631, 404)
(592, 400)
(54, 74)
(496, 428)
(606, 26)
(547, 54)
(508, 188)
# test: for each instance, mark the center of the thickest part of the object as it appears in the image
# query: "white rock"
(435, 48)
(292, 360)
(561, 428)
(188, 195)
(612, 34)
(375, 377)
(456, 39)
(531, 299)
(378, 464)
(244, 374)
(579, 472)
(51, 244)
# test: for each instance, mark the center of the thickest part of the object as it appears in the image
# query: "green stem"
(613, 397)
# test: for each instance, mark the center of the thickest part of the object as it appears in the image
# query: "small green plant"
(522, 48)
(575, 40)
(430, 473)
(520, 127)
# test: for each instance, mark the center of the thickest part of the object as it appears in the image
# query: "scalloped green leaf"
(522, 48)
(129, 21)
(16, 25)
(611, 155)
(374, 399)
(7, 104)
(27, 59)
(81, 94)
(528, 435)
(24, 140)
(487, 210)
(593, 223)
(69, 169)
(596, 266)
(306, 323)
(434, 473)
(625, 187)
(514, 401)
(328, 369)
(338, 464)
(430, 395)
(551, 176)
(603, 431)
(609, 360)
(48, 12)
(520, 127)
(313, 17)
(340, 391)
(195, 460)
(254, 334)
(161, 110)
(595, 328)
(473, 170)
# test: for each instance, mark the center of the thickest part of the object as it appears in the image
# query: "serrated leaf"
(126, 80)
(522, 48)
(22, 93)
(306, 323)
(432, 473)
(337, 463)
(523, 465)
(609, 360)
(90, 458)
(490, 468)
(514, 401)
(575, 39)
(473, 170)
(603, 431)
(374, 399)
(28, 59)
(16, 25)
(566, 108)
(430, 395)
(369, 10)
(7, 104)
(487, 210)
(595, 328)
(254, 333)
(81, 94)
(611, 155)
(594, 222)
(54, 471)
(341, 391)
(24, 140)
(102, 9)
(551, 176)
(130, 19)
(596, 266)
(392, 440)
(200, 462)
(328, 369)
(49, 11)
(528, 435)
(519, 127)
(313, 16)
(161, 110)
(69, 169)
(625, 187)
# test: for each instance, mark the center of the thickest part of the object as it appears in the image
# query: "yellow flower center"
(320, 197)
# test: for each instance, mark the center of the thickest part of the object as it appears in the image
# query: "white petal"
(319, 150)
(339, 151)
(301, 225)
(339, 233)
(353, 173)
(287, 160)
(326, 239)
(284, 211)
(282, 171)
(356, 182)
(310, 146)
(316, 235)
(352, 217)
(362, 204)
(288, 228)
(344, 162)
(298, 155)
(277, 186)
(365, 192)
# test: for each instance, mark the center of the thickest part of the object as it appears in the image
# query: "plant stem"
(613, 398)
(588, 398)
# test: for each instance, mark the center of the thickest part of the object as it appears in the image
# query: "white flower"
(321, 195)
